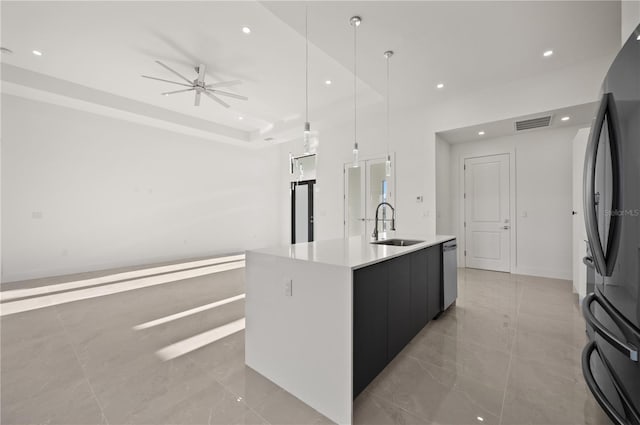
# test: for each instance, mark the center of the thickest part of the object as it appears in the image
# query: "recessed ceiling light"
(547, 53)
(246, 30)
(37, 52)
(240, 118)
(638, 38)
(565, 118)
(480, 418)
(328, 82)
(440, 85)
(480, 133)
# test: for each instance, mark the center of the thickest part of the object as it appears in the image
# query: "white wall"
(542, 169)
(579, 230)
(444, 224)
(630, 13)
(414, 168)
(85, 192)
(413, 132)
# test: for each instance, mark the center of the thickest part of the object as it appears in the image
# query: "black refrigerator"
(612, 216)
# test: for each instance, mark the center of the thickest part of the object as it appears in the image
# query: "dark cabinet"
(419, 291)
(434, 277)
(369, 324)
(399, 329)
(392, 301)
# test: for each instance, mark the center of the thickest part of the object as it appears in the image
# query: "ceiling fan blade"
(217, 99)
(201, 72)
(177, 91)
(197, 102)
(167, 81)
(223, 84)
(225, 93)
(175, 72)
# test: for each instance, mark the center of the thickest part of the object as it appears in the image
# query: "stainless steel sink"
(396, 242)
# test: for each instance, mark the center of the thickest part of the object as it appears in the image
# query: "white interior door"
(487, 221)
(365, 187)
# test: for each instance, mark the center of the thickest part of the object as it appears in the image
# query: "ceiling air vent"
(533, 123)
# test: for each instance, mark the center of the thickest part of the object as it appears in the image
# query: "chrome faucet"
(393, 219)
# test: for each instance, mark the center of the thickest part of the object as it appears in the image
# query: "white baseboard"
(553, 274)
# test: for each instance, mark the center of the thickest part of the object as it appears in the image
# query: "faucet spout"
(393, 219)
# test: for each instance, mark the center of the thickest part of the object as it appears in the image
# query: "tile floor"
(508, 352)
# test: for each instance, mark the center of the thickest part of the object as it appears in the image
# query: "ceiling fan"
(198, 85)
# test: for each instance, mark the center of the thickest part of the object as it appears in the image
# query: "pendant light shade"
(355, 22)
(387, 164)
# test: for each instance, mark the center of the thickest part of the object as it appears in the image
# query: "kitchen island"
(324, 318)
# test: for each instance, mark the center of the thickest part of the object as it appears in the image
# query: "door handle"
(588, 261)
(506, 227)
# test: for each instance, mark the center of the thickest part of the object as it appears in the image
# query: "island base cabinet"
(419, 291)
(370, 286)
(399, 327)
(434, 277)
(392, 301)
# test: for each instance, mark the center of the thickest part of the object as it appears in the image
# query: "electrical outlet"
(288, 288)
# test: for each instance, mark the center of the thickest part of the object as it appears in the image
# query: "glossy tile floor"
(508, 353)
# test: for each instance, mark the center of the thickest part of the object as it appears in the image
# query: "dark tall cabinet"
(392, 301)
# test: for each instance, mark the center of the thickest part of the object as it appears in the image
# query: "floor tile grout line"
(471, 378)
(455, 387)
(84, 373)
(397, 406)
(226, 388)
(513, 346)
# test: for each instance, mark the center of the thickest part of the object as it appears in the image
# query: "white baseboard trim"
(553, 274)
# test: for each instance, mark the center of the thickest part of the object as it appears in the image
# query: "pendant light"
(387, 164)
(355, 22)
(307, 125)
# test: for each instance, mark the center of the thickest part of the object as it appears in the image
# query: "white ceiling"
(95, 49)
(579, 115)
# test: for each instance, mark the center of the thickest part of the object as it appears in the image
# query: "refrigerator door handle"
(613, 239)
(624, 347)
(597, 392)
(604, 264)
(589, 196)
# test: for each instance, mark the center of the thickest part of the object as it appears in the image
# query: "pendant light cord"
(355, 73)
(388, 126)
(306, 53)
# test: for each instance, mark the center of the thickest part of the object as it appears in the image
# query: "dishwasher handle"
(449, 247)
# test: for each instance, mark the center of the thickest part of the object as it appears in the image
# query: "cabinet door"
(369, 324)
(419, 296)
(399, 328)
(434, 279)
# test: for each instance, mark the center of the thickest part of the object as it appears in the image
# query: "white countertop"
(354, 252)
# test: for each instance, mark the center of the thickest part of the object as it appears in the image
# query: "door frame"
(362, 161)
(462, 259)
(310, 210)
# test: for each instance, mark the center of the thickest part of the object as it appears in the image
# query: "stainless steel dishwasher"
(449, 273)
